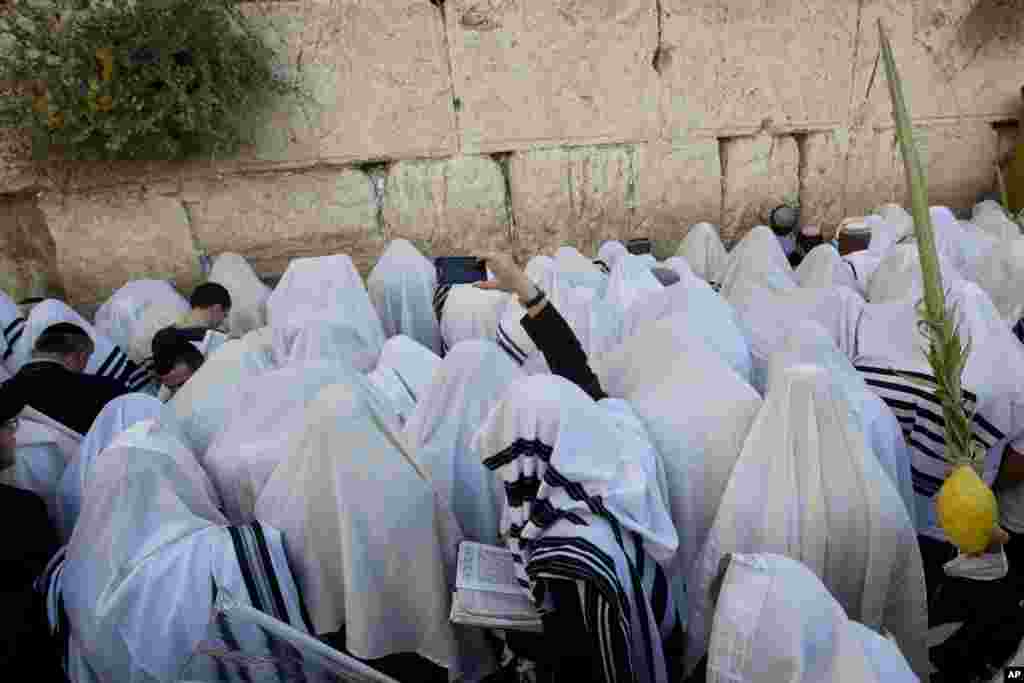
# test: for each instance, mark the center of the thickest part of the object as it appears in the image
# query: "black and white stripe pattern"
(440, 299)
(260, 578)
(1018, 330)
(603, 266)
(514, 351)
(628, 610)
(118, 367)
(919, 412)
(12, 333)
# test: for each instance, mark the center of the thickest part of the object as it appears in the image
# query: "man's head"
(67, 343)
(175, 359)
(211, 304)
(11, 404)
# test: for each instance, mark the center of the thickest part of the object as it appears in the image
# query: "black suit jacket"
(71, 398)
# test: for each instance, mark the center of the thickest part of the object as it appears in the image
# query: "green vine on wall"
(136, 79)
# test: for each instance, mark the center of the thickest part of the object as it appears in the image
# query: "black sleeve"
(562, 350)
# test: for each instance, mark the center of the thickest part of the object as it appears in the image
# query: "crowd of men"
(721, 466)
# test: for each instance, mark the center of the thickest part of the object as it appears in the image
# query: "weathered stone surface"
(451, 207)
(677, 185)
(28, 255)
(577, 197)
(761, 172)
(104, 240)
(822, 177)
(377, 74)
(960, 162)
(540, 72)
(729, 66)
(873, 174)
(271, 219)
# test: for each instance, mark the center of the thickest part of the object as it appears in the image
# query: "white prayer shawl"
(575, 480)
(950, 238)
(697, 411)
(202, 406)
(107, 359)
(153, 319)
(327, 334)
(263, 427)
(472, 379)
(898, 276)
(471, 313)
(890, 356)
(991, 219)
(610, 252)
(116, 417)
(538, 266)
(768, 317)
(809, 344)
(806, 487)
(823, 267)
(12, 329)
(776, 623)
(248, 293)
(703, 250)
(758, 261)
(401, 288)
(118, 318)
(405, 374)
(630, 279)
(44, 450)
(373, 547)
(326, 283)
(576, 270)
(895, 224)
(1002, 278)
(147, 559)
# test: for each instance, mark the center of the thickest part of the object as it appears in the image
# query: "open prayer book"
(487, 593)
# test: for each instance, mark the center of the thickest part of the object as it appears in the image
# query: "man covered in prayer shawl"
(898, 276)
(776, 623)
(757, 261)
(248, 293)
(609, 254)
(373, 546)
(465, 312)
(12, 328)
(703, 250)
(405, 373)
(472, 379)
(806, 486)
(823, 267)
(118, 318)
(591, 534)
(338, 335)
(116, 417)
(24, 642)
(1002, 278)
(132, 597)
(401, 287)
(107, 360)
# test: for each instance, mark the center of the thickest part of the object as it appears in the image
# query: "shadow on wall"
(28, 252)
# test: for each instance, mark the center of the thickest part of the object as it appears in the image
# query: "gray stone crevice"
(723, 168)
(204, 261)
(503, 160)
(377, 173)
(802, 140)
(456, 102)
(659, 50)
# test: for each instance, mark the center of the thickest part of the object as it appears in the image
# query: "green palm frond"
(946, 355)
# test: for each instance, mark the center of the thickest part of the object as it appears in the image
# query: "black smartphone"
(639, 246)
(459, 270)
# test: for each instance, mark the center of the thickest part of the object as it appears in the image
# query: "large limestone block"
(271, 219)
(451, 207)
(679, 184)
(730, 65)
(959, 161)
(957, 58)
(377, 76)
(823, 177)
(543, 72)
(105, 240)
(28, 254)
(761, 172)
(873, 172)
(579, 196)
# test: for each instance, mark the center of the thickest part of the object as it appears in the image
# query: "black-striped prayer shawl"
(12, 333)
(627, 606)
(514, 351)
(919, 413)
(440, 298)
(117, 366)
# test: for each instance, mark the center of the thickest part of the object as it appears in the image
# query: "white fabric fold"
(991, 219)
(248, 293)
(118, 318)
(472, 313)
(630, 279)
(116, 417)
(823, 267)
(1001, 275)
(757, 261)
(338, 335)
(401, 287)
(898, 276)
(381, 565)
(472, 379)
(405, 374)
(703, 250)
(610, 252)
(806, 487)
(776, 623)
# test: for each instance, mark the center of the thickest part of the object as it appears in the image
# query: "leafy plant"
(966, 506)
(135, 79)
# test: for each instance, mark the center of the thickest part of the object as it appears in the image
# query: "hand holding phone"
(459, 270)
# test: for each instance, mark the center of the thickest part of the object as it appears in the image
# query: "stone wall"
(524, 124)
